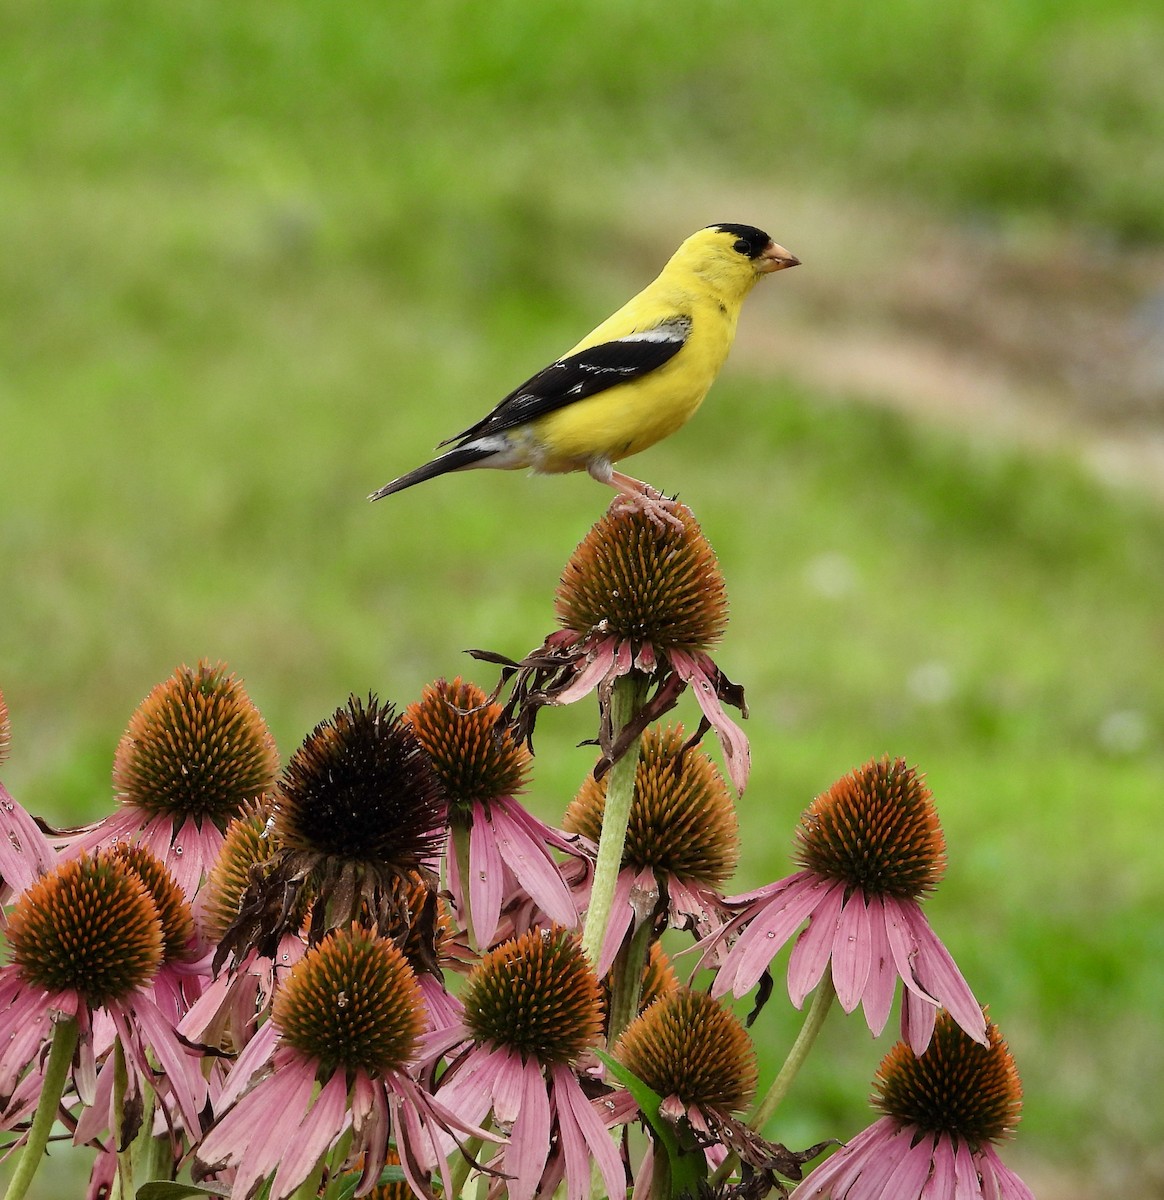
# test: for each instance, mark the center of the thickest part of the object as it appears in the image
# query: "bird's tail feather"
(451, 460)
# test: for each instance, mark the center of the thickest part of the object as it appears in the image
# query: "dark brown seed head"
(352, 1002)
(875, 829)
(957, 1086)
(643, 583)
(89, 927)
(682, 820)
(196, 746)
(536, 994)
(474, 755)
(688, 1045)
(361, 788)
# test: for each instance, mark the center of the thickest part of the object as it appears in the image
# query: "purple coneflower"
(944, 1110)
(344, 1029)
(871, 849)
(87, 943)
(531, 1011)
(642, 601)
(194, 753)
(496, 848)
(682, 840)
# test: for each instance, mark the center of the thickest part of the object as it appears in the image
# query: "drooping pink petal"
(1010, 1186)
(810, 955)
(24, 1027)
(25, 853)
(869, 1174)
(529, 1140)
(918, 1018)
(882, 981)
(852, 952)
(966, 1185)
(182, 1069)
(910, 1175)
(508, 1084)
(94, 1118)
(535, 870)
(774, 923)
(942, 1182)
(833, 1176)
(621, 915)
(939, 975)
(903, 947)
(254, 1057)
(584, 1135)
(486, 879)
(599, 661)
(736, 751)
(322, 1125)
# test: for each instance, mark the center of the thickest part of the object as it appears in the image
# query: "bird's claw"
(656, 507)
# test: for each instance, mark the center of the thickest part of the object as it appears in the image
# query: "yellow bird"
(632, 381)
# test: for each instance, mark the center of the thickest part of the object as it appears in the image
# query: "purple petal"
(903, 947)
(183, 1072)
(882, 981)
(580, 1126)
(621, 915)
(732, 738)
(529, 1141)
(325, 1122)
(588, 678)
(852, 952)
(535, 870)
(868, 1179)
(773, 925)
(811, 953)
(25, 853)
(508, 1086)
(966, 1185)
(253, 1058)
(909, 1177)
(942, 1181)
(917, 1021)
(939, 975)
(486, 878)
(836, 1175)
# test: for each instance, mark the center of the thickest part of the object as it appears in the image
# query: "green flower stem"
(625, 701)
(822, 1001)
(461, 834)
(56, 1074)
(124, 1186)
(627, 983)
(463, 1161)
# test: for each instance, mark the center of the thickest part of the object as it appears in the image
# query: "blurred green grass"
(258, 259)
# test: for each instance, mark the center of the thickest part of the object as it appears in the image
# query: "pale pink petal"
(966, 1185)
(939, 975)
(182, 1069)
(810, 955)
(621, 915)
(834, 1176)
(882, 980)
(320, 1128)
(26, 1025)
(253, 1058)
(851, 952)
(25, 853)
(773, 925)
(1010, 1186)
(535, 870)
(486, 878)
(942, 1181)
(912, 1171)
(599, 662)
(576, 1114)
(918, 1017)
(509, 1085)
(732, 738)
(868, 1181)
(94, 1117)
(529, 1140)
(903, 947)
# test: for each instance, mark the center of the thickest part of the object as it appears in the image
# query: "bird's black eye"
(742, 247)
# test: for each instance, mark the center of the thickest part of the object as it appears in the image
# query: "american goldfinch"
(629, 383)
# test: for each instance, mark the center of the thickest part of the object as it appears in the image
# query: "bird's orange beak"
(775, 258)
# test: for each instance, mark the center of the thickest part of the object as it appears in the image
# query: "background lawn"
(258, 259)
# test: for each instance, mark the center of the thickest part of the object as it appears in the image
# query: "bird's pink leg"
(637, 496)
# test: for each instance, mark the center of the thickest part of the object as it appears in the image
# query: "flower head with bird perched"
(629, 383)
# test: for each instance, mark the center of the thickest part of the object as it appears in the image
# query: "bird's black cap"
(750, 240)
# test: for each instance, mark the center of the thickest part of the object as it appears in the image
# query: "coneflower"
(871, 849)
(944, 1110)
(195, 752)
(496, 849)
(532, 1009)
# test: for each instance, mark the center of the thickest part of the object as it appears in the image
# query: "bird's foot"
(657, 508)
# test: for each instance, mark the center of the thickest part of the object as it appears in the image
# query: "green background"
(258, 259)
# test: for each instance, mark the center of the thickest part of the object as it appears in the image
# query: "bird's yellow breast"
(630, 417)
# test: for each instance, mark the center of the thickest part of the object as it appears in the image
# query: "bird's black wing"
(583, 374)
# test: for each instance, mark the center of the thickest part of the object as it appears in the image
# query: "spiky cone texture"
(195, 747)
(474, 754)
(357, 809)
(173, 911)
(943, 1112)
(645, 584)
(91, 927)
(682, 820)
(536, 995)
(687, 1045)
(871, 849)
(251, 840)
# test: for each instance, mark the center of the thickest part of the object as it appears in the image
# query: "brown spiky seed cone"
(957, 1086)
(173, 911)
(196, 746)
(352, 1002)
(682, 819)
(250, 841)
(643, 583)
(474, 755)
(876, 829)
(89, 927)
(536, 994)
(688, 1045)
